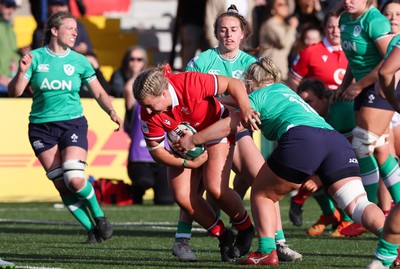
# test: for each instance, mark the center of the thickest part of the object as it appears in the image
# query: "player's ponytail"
(262, 73)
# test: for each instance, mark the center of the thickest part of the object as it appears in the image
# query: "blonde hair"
(262, 73)
(151, 81)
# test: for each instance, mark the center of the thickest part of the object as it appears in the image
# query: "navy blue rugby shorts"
(369, 97)
(44, 136)
(303, 151)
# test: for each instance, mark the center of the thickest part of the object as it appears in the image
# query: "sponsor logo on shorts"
(38, 144)
(353, 160)
(371, 98)
(74, 138)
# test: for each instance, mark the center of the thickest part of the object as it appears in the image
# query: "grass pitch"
(41, 235)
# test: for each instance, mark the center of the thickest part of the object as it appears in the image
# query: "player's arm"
(163, 156)
(387, 79)
(293, 81)
(104, 100)
(17, 85)
(238, 92)
(218, 130)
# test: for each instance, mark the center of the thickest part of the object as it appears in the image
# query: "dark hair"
(55, 20)
(233, 12)
(329, 15)
(314, 85)
(382, 8)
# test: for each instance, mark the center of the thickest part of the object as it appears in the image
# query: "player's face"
(229, 33)
(67, 33)
(310, 98)
(332, 31)
(156, 104)
(355, 7)
(392, 13)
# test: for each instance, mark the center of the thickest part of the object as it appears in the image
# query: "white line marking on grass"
(152, 225)
(34, 267)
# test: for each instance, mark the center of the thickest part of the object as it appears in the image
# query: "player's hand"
(115, 118)
(25, 62)
(350, 93)
(199, 161)
(185, 143)
(250, 119)
(312, 184)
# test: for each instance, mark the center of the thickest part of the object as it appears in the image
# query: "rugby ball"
(176, 134)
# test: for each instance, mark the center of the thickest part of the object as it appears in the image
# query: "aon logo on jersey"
(56, 85)
(347, 45)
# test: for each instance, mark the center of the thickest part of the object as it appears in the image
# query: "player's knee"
(73, 169)
(364, 142)
(359, 208)
(349, 192)
(56, 173)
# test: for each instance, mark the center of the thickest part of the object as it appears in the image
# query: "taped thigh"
(364, 142)
(55, 173)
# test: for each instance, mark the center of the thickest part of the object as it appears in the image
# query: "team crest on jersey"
(342, 28)
(237, 74)
(357, 30)
(69, 69)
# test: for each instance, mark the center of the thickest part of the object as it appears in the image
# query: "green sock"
(390, 173)
(184, 230)
(325, 203)
(89, 197)
(79, 211)
(386, 252)
(280, 236)
(370, 176)
(266, 245)
(344, 216)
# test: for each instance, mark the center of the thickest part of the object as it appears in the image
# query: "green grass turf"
(37, 235)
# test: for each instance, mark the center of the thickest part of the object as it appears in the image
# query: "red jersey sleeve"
(301, 64)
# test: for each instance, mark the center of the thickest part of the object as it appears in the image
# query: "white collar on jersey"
(174, 97)
(51, 53)
(329, 45)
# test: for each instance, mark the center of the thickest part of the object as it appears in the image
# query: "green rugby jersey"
(212, 62)
(56, 80)
(281, 108)
(358, 38)
(393, 43)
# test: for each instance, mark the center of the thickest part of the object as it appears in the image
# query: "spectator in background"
(82, 44)
(143, 171)
(310, 34)
(134, 60)
(94, 61)
(308, 11)
(190, 21)
(277, 35)
(8, 45)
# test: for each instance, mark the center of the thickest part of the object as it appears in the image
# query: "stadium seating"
(109, 42)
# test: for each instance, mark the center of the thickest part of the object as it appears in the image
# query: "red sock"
(243, 224)
(217, 228)
(301, 196)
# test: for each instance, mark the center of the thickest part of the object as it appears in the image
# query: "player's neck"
(228, 54)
